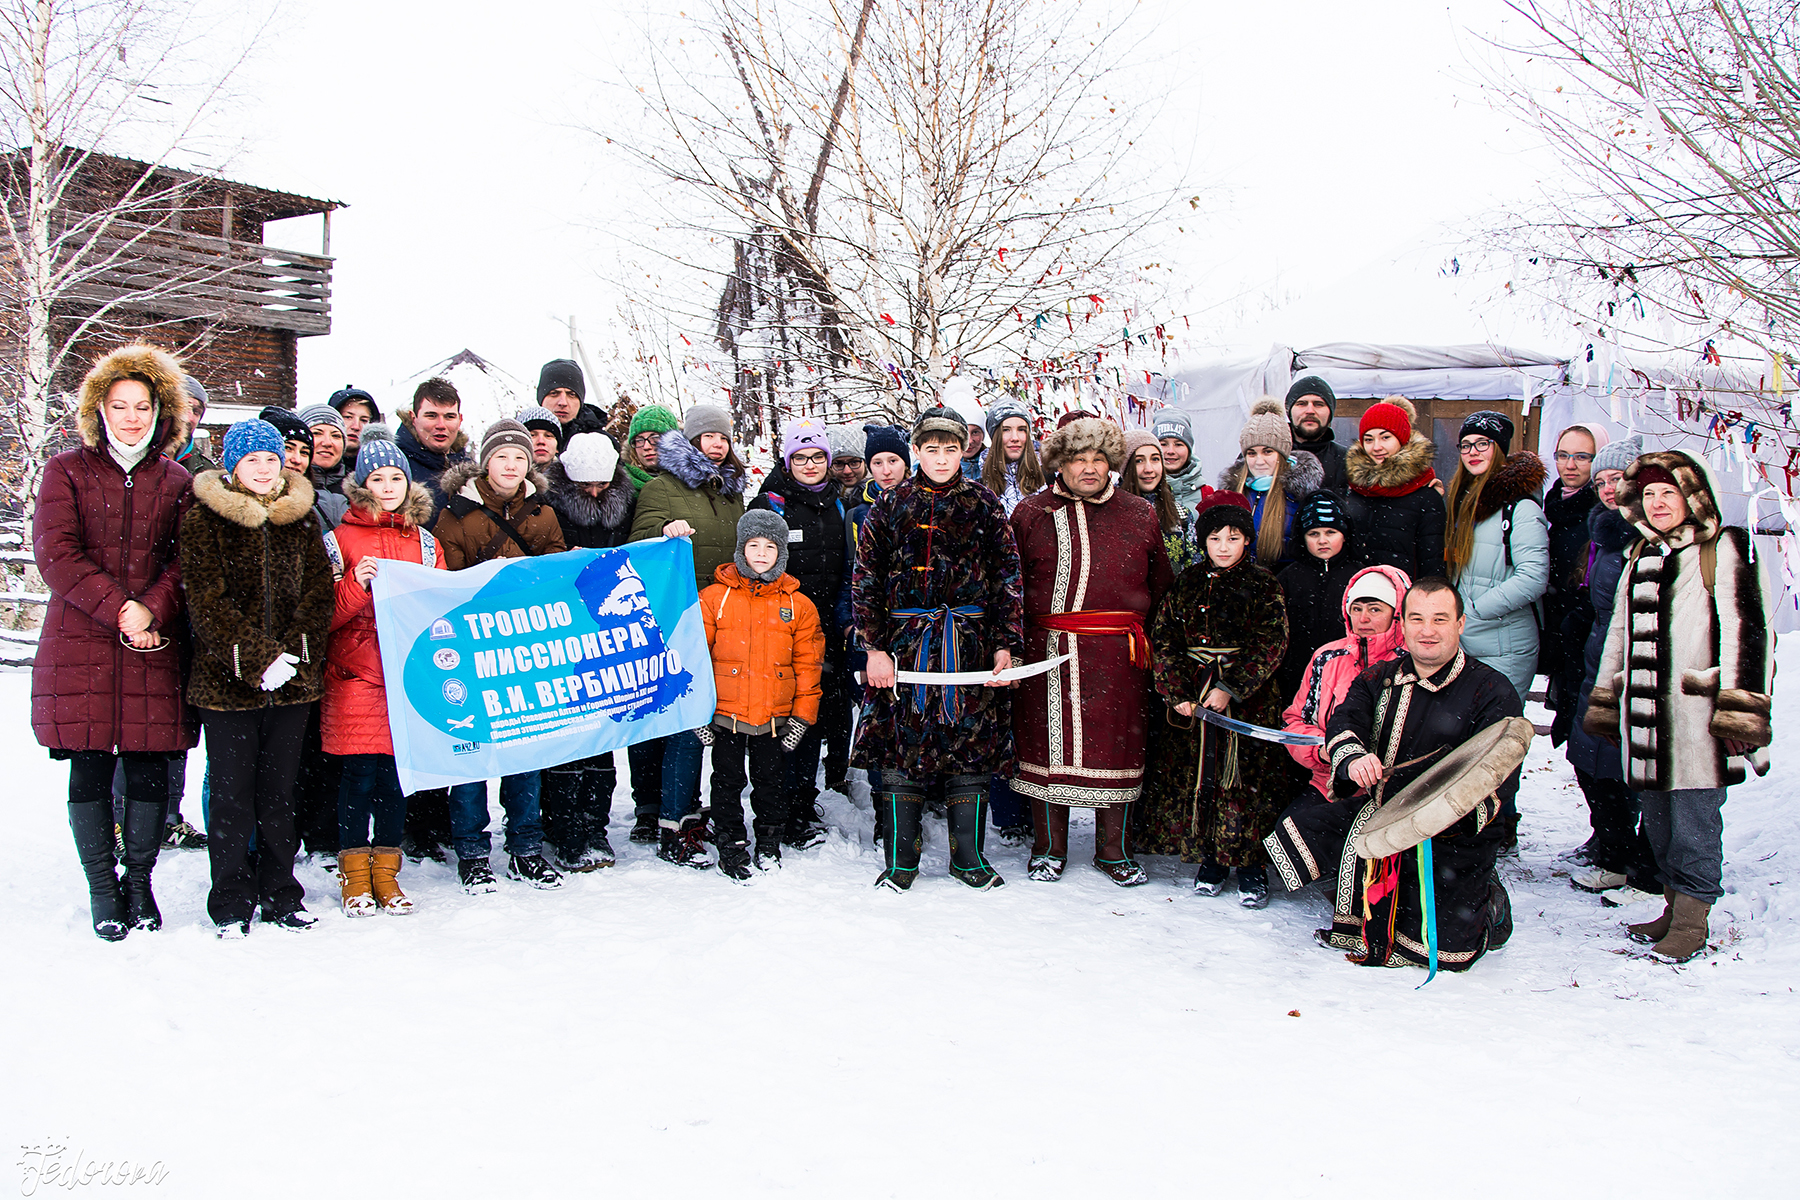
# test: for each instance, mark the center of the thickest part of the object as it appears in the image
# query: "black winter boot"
(734, 861)
(682, 845)
(1500, 922)
(92, 825)
(143, 838)
(903, 824)
(968, 821)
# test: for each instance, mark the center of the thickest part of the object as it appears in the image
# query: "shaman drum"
(1448, 791)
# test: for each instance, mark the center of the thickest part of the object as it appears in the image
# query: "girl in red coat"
(106, 684)
(386, 520)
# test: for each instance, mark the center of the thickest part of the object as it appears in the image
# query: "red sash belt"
(1093, 621)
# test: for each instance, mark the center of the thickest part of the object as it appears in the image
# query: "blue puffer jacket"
(1502, 629)
(1608, 535)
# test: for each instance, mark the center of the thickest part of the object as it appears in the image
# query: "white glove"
(284, 668)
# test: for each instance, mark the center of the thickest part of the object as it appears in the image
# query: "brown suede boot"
(1687, 932)
(1655, 931)
(383, 867)
(353, 871)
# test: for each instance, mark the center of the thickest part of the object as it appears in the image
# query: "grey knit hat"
(503, 433)
(536, 416)
(1004, 409)
(940, 420)
(706, 418)
(1173, 423)
(761, 523)
(323, 414)
(846, 442)
(1619, 454)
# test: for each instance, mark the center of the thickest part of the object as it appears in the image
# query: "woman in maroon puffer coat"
(107, 682)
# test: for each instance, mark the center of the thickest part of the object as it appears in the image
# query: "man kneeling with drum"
(1433, 711)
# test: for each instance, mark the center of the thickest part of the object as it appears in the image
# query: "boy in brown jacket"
(498, 507)
(768, 651)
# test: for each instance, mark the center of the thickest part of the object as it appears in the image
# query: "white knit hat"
(590, 458)
(1373, 585)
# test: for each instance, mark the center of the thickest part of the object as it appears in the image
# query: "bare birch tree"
(908, 186)
(81, 80)
(1679, 124)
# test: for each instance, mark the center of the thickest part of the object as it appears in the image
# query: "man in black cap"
(1310, 405)
(563, 390)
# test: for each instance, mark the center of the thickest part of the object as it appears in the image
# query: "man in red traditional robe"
(1094, 568)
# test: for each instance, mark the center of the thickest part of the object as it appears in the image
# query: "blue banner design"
(523, 663)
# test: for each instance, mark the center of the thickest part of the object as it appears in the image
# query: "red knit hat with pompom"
(1390, 417)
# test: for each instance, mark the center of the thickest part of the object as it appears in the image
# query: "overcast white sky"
(1331, 137)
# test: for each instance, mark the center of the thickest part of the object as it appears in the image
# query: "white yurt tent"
(488, 392)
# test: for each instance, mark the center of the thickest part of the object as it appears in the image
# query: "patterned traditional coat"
(933, 556)
(1219, 628)
(1686, 667)
(1080, 729)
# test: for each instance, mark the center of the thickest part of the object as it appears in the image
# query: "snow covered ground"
(653, 1030)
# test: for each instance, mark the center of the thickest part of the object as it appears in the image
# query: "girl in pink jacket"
(1372, 621)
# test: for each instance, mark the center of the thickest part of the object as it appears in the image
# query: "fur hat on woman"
(1081, 436)
(761, 523)
(501, 434)
(377, 450)
(1220, 510)
(705, 418)
(1267, 426)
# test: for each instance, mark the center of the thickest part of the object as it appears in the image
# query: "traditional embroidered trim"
(1089, 772)
(1077, 797)
(1277, 853)
(1312, 865)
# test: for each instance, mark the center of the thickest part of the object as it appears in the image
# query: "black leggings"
(91, 777)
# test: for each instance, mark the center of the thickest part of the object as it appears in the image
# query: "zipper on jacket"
(268, 604)
(118, 737)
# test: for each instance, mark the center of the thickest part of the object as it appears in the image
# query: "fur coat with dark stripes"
(1685, 670)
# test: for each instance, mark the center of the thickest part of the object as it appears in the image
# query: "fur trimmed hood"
(609, 511)
(460, 481)
(682, 459)
(416, 510)
(1407, 470)
(1305, 475)
(1694, 478)
(212, 490)
(1520, 477)
(157, 369)
(1081, 436)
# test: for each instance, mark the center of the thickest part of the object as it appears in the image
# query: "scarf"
(128, 457)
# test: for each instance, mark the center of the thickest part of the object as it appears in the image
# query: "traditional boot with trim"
(1687, 930)
(1657, 928)
(903, 822)
(355, 891)
(1049, 842)
(384, 869)
(967, 816)
(1112, 857)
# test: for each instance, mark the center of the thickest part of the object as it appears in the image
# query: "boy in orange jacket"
(768, 651)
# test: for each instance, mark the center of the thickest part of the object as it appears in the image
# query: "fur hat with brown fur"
(157, 370)
(1694, 479)
(1080, 436)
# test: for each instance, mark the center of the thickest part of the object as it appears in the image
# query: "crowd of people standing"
(1004, 621)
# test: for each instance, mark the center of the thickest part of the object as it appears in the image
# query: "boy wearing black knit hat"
(1313, 583)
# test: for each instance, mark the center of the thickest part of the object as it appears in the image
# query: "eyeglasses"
(1476, 446)
(816, 458)
(1574, 458)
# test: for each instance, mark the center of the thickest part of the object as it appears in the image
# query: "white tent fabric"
(488, 393)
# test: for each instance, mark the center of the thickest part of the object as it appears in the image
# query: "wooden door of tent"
(1440, 420)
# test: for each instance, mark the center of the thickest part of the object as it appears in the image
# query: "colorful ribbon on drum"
(1428, 904)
